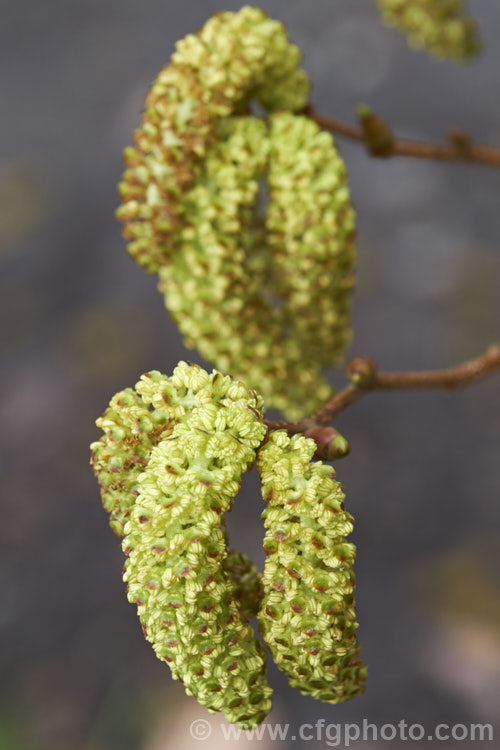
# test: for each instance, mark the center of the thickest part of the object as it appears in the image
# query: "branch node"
(380, 140)
(361, 371)
(461, 143)
(377, 135)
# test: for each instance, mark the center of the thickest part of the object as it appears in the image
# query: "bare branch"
(365, 378)
(459, 149)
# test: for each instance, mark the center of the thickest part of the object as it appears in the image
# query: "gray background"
(80, 321)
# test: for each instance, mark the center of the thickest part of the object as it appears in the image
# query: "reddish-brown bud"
(330, 443)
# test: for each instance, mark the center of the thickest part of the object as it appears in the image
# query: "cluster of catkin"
(245, 217)
(441, 27)
(169, 465)
(239, 203)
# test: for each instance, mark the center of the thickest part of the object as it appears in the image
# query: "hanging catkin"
(242, 276)
(192, 435)
(439, 26)
(307, 615)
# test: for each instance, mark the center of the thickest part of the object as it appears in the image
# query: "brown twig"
(365, 378)
(459, 149)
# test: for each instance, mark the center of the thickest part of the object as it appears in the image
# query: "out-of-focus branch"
(379, 140)
(364, 378)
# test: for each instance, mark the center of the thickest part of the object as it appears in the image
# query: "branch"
(459, 149)
(365, 377)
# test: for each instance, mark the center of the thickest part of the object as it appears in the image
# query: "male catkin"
(191, 606)
(307, 615)
(244, 278)
(439, 26)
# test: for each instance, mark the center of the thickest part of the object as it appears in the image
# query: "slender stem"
(459, 149)
(366, 378)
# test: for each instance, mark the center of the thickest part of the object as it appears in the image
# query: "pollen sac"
(246, 220)
(441, 27)
(307, 616)
(204, 435)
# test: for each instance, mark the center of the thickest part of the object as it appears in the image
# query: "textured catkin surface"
(311, 225)
(441, 27)
(211, 75)
(82, 321)
(191, 597)
(246, 581)
(241, 276)
(131, 429)
(307, 615)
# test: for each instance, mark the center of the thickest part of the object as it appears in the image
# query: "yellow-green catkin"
(246, 581)
(174, 534)
(307, 615)
(191, 211)
(439, 26)
(311, 225)
(131, 430)
(212, 75)
(217, 286)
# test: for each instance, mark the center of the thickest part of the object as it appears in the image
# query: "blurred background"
(80, 321)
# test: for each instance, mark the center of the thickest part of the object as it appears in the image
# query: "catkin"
(131, 430)
(258, 285)
(307, 616)
(212, 75)
(439, 26)
(311, 225)
(191, 597)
